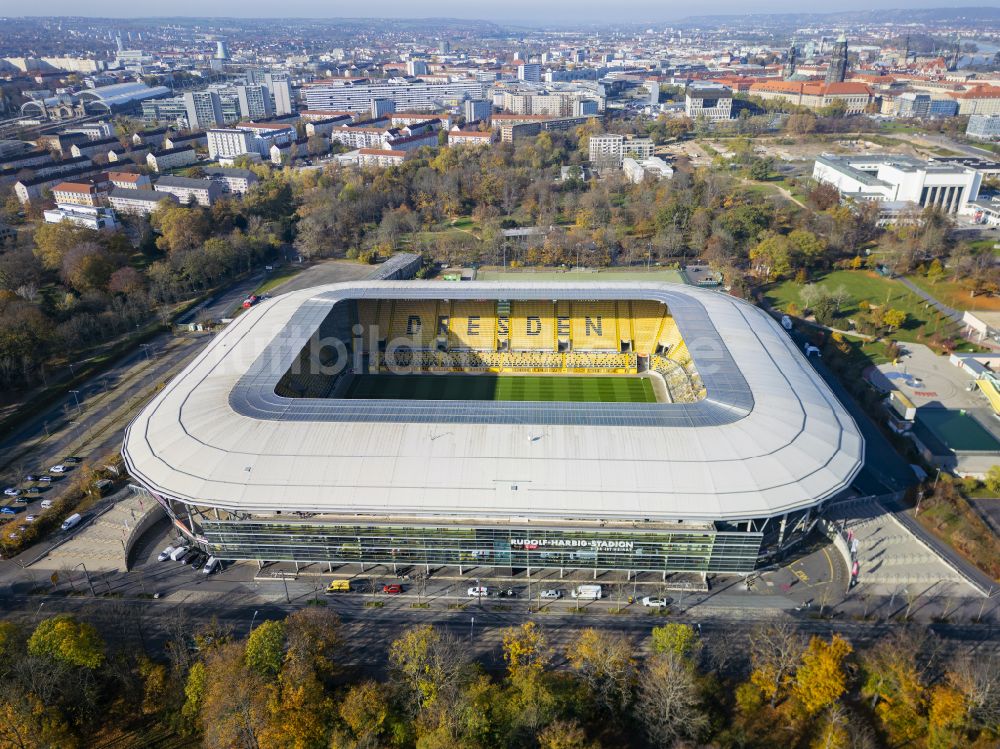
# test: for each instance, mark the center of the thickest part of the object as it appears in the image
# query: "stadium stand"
(414, 320)
(472, 325)
(532, 326)
(647, 319)
(594, 326)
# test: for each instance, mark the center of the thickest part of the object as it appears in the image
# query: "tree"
(668, 703)
(820, 679)
(525, 650)
(52, 241)
(265, 648)
(935, 271)
(680, 639)
(365, 710)
(314, 635)
(564, 734)
(771, 257)
(946, 716)
(234, 708)
(180, 227)
(808, 249)
(775, 650)
(604, 661)
(87, 267)
(431, 664)
(194, 695)
(67, 640)
(894, 318)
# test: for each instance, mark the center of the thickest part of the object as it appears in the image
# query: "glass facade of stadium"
(502, 548)
(620, 547)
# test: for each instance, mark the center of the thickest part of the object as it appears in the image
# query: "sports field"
(436, 387)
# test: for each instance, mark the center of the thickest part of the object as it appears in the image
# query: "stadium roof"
(770, 436)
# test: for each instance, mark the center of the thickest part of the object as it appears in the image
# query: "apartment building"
(477, 110)
(94, 147)
(924, 106)
(231, 180)
(203, 109)
(380, 157)
(204, 192)
(79, 193)
(171, 158)
(475, 138)
(607, 151)
(248, 138)
(254, 102)
(137, 202)
(513, 130)
(325, 126)
(356, 95)
(130, 181)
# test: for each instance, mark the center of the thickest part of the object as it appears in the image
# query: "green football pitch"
(436, 387)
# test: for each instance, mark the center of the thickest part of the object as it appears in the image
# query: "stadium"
(638, 427)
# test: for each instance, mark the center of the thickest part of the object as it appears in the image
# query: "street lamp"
(145, 348)
(92, 591)
(472, 626)
(253, 620)
(76, 397)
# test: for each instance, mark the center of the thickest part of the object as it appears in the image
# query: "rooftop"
(769, 436)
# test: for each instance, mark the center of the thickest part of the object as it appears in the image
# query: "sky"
(539, 11)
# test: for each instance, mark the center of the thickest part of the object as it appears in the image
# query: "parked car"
(72, 521)
(31, 477)
(46, 504)
(45, 479)
(477, 591)
(180, 551)
(31, 518)
(58, 469)
(198, 561)
(8, 510)
(12, 491)
(35, 491)
(189, 557)
(72, 460)
(392, 589)
(165, 554)
(550, 594)
(22, 500)
(654, 603)
(214, 564)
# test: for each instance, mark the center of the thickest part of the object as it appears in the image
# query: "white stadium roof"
(770, 437)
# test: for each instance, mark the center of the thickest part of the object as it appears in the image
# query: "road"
(90, 422)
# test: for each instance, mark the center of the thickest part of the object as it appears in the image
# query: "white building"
(233, 181)
(204, 109)
(204, 192)
(248, 138)
(890, 178)
(636, 171)
(91, 217)
(137, 202)
(380, 157)
(529, 71)
(711, 101)
(608, 150)
(172, 158)
(356, 96)
(983, 126)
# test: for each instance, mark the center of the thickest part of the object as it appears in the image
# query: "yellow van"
(338, 586)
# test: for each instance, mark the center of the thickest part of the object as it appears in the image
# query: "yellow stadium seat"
(472, 325)
(647, 318)
(594, 326)
(414, 321)
(532, 326)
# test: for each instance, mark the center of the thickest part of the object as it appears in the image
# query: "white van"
(71, 521)
(588, 592)
(46, 504)
(177, 553)
(211, 566)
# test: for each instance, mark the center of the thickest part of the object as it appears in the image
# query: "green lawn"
(583, 388)
(922, 322)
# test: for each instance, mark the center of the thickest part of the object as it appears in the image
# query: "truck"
(72, 521)
(588, 592)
